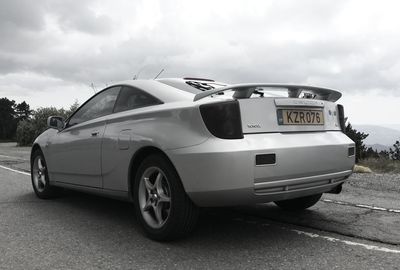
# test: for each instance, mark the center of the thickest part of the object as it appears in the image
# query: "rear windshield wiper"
(200, 86)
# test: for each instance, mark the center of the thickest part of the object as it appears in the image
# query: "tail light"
(223, 119)
(342, 120)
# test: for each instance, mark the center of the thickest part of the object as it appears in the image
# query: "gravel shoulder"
(14, 156)
(382, 190)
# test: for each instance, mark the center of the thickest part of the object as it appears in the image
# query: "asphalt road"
(78, 231)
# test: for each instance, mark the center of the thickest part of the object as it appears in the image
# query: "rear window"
(131, 98)
(193, 87)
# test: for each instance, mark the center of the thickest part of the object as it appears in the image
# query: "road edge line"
(346, 242)
(16, 171)
(365, 206)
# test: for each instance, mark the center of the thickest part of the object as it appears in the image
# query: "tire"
(299, 204)
(40, 177)
(162, 206)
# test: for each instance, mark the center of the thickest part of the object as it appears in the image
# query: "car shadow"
(213, 225)
(221, 224)
(91, 229)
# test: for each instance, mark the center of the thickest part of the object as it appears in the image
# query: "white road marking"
(378, 208)
(13, 157)
(346, 242)
(363, 206)
(16, 171)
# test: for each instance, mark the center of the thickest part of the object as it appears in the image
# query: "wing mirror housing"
(56, 122)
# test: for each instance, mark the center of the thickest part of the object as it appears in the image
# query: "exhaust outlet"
(336, 190)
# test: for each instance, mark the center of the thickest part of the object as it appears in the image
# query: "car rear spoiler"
(294, 91)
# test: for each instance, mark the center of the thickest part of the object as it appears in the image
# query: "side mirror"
(56, 122)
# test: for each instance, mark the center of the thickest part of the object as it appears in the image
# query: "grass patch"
(381, 165)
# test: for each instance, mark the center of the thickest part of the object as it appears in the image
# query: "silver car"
(171, 146)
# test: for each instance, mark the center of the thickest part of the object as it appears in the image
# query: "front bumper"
(224, 172)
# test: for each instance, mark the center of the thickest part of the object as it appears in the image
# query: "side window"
(100, 105)
(131, 98)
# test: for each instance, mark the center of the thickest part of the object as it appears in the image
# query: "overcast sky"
(51, 51)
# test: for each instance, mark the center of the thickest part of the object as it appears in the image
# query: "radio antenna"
(136, 76)
(159, 73)
(93, 87)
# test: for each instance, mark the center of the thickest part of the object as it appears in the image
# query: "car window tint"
(131, 98)
(100, 105)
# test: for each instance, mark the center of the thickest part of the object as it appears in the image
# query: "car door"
(75, 152)
(118, 145)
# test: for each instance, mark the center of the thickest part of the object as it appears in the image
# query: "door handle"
(94, 133)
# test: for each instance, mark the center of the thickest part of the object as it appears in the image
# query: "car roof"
(173, 89)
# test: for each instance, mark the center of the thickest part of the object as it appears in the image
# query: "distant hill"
(379, 135)
(379, 147)
(393, 126)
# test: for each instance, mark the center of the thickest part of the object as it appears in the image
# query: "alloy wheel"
(39, 174)
(154, 196)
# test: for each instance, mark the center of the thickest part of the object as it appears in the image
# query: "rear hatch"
(280, 114)
(266, 108)
(295, 138)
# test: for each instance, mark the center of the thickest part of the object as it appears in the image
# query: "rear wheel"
(299, 203)
(40, 177)
(162, 206)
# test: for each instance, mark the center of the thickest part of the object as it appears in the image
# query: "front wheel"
(40, 177)
(299, 204)
(162, 206)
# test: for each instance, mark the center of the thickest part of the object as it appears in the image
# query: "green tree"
(29, 129)
(23, 111)
(10, 114)
(8, 123)
(72, 108)
(25, 134)
(395, 153)
(358, 138)
(384, 154)
(40, 118)
(371, 153)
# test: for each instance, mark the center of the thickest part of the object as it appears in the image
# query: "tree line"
(11, 113)
(364, 152)
(21, 124)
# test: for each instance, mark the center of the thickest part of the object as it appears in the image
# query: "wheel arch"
(137, 158)
(35, 147)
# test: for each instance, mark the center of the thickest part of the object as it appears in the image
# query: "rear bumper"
(224, 172)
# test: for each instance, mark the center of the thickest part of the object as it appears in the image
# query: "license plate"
(300, 117)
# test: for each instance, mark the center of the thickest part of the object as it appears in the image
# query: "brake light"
(223, 119)
(342, 120)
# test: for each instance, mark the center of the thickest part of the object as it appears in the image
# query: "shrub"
(40, 118)
(382, 165)
(25, 134)
(358, 138)
(28, 130)
(395, 153)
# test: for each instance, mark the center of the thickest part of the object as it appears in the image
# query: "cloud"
(21, 15)
(350, 45)
(81, 16)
